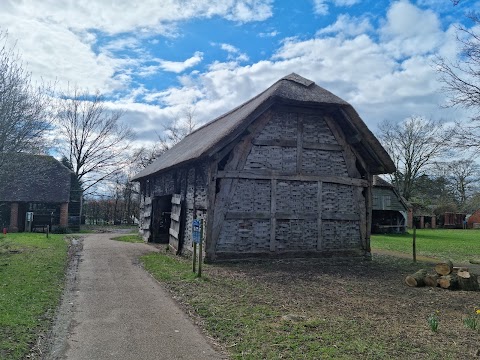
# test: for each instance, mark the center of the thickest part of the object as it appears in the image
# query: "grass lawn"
(88, 229)
(129, 238)
(457, 245)
(31, 282)
(320, 309)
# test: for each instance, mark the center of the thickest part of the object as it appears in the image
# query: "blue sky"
(155, 58)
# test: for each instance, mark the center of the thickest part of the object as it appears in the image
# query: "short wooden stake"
(414, 244)
(194, 256)
(200, 255)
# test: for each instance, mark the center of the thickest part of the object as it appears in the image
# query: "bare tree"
(462, 175)
(413, 145)
(183, 123)
(96, 142)
(24, 107)
(461, 81)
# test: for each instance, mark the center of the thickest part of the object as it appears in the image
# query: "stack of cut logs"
(446, 276)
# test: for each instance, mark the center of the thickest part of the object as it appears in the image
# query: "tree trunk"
(417, 279)
(431, 280)
(448, 282)
(469, 284)
(444, 268)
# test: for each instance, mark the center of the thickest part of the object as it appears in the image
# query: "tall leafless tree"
(414, 145)
(463, 175)
(25, 115)
(96, 142)
(461, 81)
(183, 123)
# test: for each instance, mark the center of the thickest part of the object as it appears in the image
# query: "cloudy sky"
(154, 58)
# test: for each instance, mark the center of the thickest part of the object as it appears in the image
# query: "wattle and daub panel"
(278, 210)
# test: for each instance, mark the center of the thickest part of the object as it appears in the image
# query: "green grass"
(92, 229)
(168, 269)
(243, 307)
(31, 282)
(128, 238)
(457, 245)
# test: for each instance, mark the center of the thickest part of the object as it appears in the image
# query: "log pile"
(446, 276)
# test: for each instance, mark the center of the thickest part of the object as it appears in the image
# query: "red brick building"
(474, 220)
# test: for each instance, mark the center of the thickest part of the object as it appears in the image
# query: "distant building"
(37, 184)
(389, 209)
(473, 221)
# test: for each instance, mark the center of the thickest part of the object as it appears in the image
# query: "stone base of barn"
(232, 256)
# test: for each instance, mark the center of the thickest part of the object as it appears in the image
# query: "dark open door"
(161, 213)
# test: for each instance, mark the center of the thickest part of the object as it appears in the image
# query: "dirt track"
(114, 310)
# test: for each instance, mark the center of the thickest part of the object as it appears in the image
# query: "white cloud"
(364, 70)
(348, 25)
(229, 48)
(58, 40)
(56, 54)
(389, 75)
(123, 43)
(272, 33)
(320, 7)
(104, 15)
(346, 2)
(181, 66)
(409, 30)
(250, 10)
(234, 53)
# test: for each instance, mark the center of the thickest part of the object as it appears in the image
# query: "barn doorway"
(161, 219)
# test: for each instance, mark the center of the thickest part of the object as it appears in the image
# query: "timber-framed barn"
(288, 173)
(38, 184)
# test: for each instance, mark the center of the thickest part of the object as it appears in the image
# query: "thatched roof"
(292, 89)
(379, 182)
(33, 178)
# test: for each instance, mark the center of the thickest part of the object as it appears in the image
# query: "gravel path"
(115, 310)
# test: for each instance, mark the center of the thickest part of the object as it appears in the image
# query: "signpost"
(197, 236)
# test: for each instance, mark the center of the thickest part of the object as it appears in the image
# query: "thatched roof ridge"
(292, 89)
(33, 178)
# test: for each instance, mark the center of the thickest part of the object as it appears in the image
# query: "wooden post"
(48, 230)
(414, 245)
(200, 250)
(194, 256)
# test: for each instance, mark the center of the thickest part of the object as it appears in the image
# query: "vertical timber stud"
(319, 215)
(299, 142)
(228, 186)
(362, 211)
(211, 191)
(273, 211)
(369, 212)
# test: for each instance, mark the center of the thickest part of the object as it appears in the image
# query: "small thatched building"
(389, 209)
(289, 172)
(33, 183)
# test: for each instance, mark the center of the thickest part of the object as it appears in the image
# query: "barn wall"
(291, 193)
(386, 199)
(190, 182)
